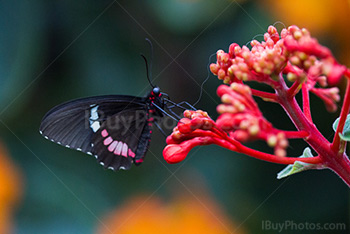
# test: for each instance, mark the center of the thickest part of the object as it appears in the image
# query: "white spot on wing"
(89, 153)
(111, 168)
(122, 168)
(46, 137)
(95, 126)
(78, 149)
(93, 113)
(40, 132)
(102, 163)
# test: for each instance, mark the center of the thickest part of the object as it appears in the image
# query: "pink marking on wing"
(107, 141)
(118, 149)
(125, 150)
(139, 161)
(131, 154)
(112, 146)
(104, 133)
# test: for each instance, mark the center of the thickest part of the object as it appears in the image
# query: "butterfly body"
(116, 129)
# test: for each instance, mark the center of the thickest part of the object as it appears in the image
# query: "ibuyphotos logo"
(290, 225)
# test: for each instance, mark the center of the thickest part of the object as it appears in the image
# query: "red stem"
(328, 156)
(238, 147)
(296, 134)
(265, 156)
(306, 102)
(341, 166)
(275, 159)
(343, 114)
(265, 95)
(294, 89)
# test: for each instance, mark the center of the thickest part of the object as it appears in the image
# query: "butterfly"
(116, 129)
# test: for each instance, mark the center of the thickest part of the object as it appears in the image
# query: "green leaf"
(299, 166)
(345, 136)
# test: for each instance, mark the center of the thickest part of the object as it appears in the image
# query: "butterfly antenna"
(147, 71)
(151, 49)
(206, 79)
(149, 67)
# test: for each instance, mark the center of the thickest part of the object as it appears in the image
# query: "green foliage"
(345, 136)
(298, 166)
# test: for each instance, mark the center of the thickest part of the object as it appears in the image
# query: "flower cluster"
(289, 62)
(192, 130)
(294, 54)
(240, 121)
(258, 64)
(241, 118)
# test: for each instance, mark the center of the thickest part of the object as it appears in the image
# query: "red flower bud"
(184, 126)
(335, 73)
(197, 123)
(170, 140)
(232, 49)
(175, 153)
(214, 68)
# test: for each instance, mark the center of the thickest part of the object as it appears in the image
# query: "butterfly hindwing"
(116, 142)
(73, 124)
(143, 144)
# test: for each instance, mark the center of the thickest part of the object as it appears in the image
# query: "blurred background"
(54, 51)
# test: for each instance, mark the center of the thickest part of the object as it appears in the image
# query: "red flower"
(240, 121)
(294, 56)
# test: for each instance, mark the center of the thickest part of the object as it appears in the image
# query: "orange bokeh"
(184, 214)
(325, 19)
(10, 192)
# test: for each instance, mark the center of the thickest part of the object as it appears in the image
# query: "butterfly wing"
(121, 139)
(78, 124)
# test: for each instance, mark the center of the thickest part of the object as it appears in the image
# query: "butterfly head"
(155, 101)
(155, 95)
(156, 91)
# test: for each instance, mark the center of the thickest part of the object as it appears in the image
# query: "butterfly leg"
(174, 114)
(160, 128)
(181, 105)
(166, 113)
(188, 105)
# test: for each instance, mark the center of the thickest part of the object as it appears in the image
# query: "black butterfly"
(116, 129)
